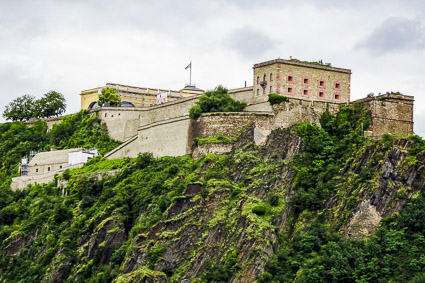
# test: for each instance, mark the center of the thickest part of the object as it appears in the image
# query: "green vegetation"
(276, 99)
(141, 224)
(319, 62)
(109, 97)
(220, 138)
(217, 100)
(318, 254)
(17, 140)
(326, 149)
(27, 107)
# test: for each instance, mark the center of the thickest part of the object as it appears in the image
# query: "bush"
(217, 100)
(260, 209)
(276, 99)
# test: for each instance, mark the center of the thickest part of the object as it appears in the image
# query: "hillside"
(314, 204)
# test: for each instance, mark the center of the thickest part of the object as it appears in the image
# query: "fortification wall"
(227, 124)
(122, 122)
(301, 111)
(391, 114)
(169, 110)
(165, 138)
(49, 121)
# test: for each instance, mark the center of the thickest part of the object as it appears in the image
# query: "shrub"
(217, 100)
(276, 99)
(260, 209)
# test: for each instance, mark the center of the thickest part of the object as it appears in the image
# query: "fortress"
(157, 120)
(165, 129)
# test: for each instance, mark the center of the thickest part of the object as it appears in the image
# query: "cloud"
(395, 35)
(250, 42)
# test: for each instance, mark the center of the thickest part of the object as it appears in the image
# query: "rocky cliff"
(221, 218)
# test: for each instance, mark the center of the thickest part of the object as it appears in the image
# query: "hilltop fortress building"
(157, 120)
(136, 96)
(312, 88)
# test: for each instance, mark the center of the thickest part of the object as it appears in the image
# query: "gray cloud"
(395, 35)
(250, 42)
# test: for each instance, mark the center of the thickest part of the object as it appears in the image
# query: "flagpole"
(190, 78)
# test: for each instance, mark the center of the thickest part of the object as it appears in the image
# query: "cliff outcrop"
(250, 214)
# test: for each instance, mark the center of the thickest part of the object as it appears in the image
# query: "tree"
(217, 100)
(109, 95)
(27, 107)
(51, 104)
(19, 109)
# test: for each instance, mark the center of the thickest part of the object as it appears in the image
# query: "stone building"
(309, 81)
(312, 88)
(390, 113)
(132, 96)
(44, 165)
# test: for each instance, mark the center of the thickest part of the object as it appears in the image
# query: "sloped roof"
(52, 157)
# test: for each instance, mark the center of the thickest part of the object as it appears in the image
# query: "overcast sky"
(69, 46)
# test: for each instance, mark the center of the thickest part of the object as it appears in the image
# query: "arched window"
(271, 76)
(264, 78)
(258, 80)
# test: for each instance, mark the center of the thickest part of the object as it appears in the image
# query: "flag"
(189, 66)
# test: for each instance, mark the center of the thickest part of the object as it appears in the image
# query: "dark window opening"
(321, 94)
(290, 78)
(306, 81)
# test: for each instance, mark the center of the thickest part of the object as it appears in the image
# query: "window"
(306, 81)
(271, 77)
(258, 91)
(36, 170)
(290, 90)
(290, 78)
(271, 88)
(337, 96)
(321, 94)
(305, 92)
(322, 83)
(258, 80)
(60, 167)
(337, 85)
(264, 90)
(264, 78)
(48, 169)
(106, 114)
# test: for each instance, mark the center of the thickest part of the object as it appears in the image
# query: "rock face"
(228, 221)
(388, 178)
(202, 228)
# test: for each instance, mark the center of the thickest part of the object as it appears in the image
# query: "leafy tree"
(21, 108)
(51, 104)
(217, 100)
(109, 95)
(27, 107)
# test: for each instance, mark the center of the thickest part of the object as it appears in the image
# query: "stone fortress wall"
(173, 135)
(167, 130)
(390, 113)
